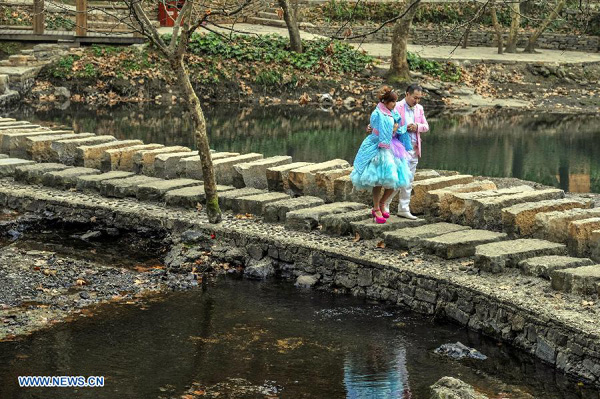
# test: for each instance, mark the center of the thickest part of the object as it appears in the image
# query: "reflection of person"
(379, 163)
(413, 117)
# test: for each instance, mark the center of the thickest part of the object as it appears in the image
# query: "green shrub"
(447, 72)
(63, 67)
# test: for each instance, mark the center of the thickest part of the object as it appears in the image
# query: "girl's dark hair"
(387, 94)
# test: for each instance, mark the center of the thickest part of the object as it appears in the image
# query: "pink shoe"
(384, 214)
(378, 219)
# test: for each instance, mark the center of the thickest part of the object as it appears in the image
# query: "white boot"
(407, 215)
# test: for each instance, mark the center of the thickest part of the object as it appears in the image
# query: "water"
(556, 150)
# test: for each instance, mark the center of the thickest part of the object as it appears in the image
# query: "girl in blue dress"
(381, 164)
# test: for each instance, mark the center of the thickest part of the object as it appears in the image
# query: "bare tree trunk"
(289, 15)
(513, 34)
(399, 70)
(497, 27)
(535, 35)
(193, 104)
(466, 36)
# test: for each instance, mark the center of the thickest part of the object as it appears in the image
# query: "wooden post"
(81, 18)
(38, 17)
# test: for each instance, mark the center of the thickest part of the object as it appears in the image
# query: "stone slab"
(67, 178)
(554, 226)
(460, 244)
(254, 173)
(424, 174)
(339, 224)
(277, 177)
(325, 182)
(8, 165)
(189, 197)
(422, 187)
(126, 187)
(368, 229)
(144, 160)
(15, 126)
(255, 204)
(581, 235)
(543, 266)
(33, 172)
(497, 256)
(580, 280)
(92, 182)
(414, 236)
(122, 158)
(519, 220)
(66, 149)
(302, 180)
(275, 212)
(165, 165)
(343, 190)
(228, 199)
(225, 172)
(434, 199)
(309, 218)
(39, 148)
(90, 156)
(191, 167)
(156, 190)
(14, 143)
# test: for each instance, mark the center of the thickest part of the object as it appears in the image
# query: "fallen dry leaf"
(381, 244)
(356, 238)
(199, 207)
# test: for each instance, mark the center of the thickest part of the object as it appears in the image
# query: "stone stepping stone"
(225, 172)
(413, 236)
(434, 199)
(343, 190)
(497, 256)
(595, 244)
(39, 148)
(66, 150)
(275, 212)
(460, 244)
(90, 156)
(33, 172)
(92, 182)
(324, 182)
(156, 190)
(309, 218)
(368, 229)
(8, 165)
(189, 197)
(520, 219)
(277, 177)
(254, 173)
(302, 180)
(14, 143)
(543, 266)
(144, 160)
(7, 120)
(339, 224)
(3, 156)
(165, 165)
(227, 199)
(126, 187)
(554, 226)
(580, 235)
(425, 174)
(583, 280)
(191, 167)
(20, 125)
(255, 204)
(422, 187)
(122, 158)
(66, 178)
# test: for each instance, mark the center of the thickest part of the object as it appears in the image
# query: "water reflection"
(378, 372)
(556, 150)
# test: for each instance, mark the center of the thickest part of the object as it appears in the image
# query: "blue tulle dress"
(382, 159)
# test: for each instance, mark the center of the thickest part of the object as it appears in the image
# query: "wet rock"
(259, 270)
(90, 235)
(14, 234)
(453, 388)
(325, 99)
(84, 295)
(62, 93)
(307, 281)
(459, 351)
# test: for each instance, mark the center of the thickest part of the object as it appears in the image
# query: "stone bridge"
(517, 263)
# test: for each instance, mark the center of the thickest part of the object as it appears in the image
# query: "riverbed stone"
(339, 223)
(165, 165)
(156, 190)
(91, 156)
(255, 204)
(554, 226)
(325, 181)
(122, 158)
(66, 149)
(519, 220)
(92, 182)
(580, 235)
(309, 218)
(126, 187)
(254, 173)
(66, 178)
(453, 388)
(144, 160)
(543, 266)
(33, 172)
(277, 177)
(228, 199)
(413, 236)
(8, 165)
(424, 174)
(497, 256)
(225, 172)
(460, 244)
(368, 229)
(580, 280)
(191, 167)
(14, 143)
(434, 199)
(302, 180)
(275, 212)
(190, 197)
(39, 148)
(422, 187)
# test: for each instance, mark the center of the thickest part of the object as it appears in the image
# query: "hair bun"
(387, 94)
